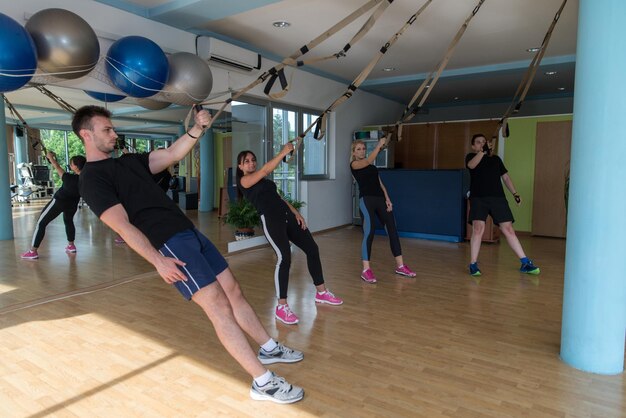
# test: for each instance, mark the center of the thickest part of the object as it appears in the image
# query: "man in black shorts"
(123, 194)
(487, 172)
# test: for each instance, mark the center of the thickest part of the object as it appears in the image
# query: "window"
(282, 123)
(141, 145)
(284, 128)
(65, 144)
(313, 156)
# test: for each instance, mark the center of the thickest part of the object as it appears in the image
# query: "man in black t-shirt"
(487, 172)
(123, 194)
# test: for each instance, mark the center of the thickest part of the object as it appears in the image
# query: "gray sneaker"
(276, 390)
(280, 354)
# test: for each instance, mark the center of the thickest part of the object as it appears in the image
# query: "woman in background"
(281, 223)
(64, 201)
(374, 201)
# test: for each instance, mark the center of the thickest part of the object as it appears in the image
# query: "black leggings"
(375, 205)
(53, 209)
(281, 229)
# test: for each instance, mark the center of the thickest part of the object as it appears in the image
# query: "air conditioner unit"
(229, 55)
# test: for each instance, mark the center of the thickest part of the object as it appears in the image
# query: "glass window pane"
(314, 151)
(141, 145)
(284, 130)
(248, 133)
(55, 141)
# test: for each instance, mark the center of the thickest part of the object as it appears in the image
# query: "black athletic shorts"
(497, 207)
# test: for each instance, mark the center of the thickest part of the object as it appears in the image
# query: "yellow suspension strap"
(428, 84)
(14, 112)
(277, 72)
(57, 99)
(527, 80)
(25, 126)
(321, 122)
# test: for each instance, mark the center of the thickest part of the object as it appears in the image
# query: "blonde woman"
(374, 201)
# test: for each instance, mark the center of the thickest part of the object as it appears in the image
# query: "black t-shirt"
(69, 189)
(368, 181)
(485, 177)
(162, 179)
(264, 197)
(128, 180)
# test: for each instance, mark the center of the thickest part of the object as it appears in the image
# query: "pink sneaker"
(285, 315)
(327, 297)
(71, 248)
(404, 270)
(30, 255)
(368, 276)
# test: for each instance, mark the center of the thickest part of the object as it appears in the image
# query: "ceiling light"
(560, 88)
(281, 24)
(550, 73)
(456, 97)
(534, 49)
(388, 69)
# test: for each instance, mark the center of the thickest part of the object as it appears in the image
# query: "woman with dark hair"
(374, 201)
(282, 223)
(64, 201)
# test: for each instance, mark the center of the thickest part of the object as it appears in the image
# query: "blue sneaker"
(474, 270)
(529, 268)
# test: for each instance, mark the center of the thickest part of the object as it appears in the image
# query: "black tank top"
(264, 197)
(368, 181)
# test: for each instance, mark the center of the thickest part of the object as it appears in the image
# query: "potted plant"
(297, 204)
(244, 217)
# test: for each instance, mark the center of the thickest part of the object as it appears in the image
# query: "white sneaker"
(276, 390)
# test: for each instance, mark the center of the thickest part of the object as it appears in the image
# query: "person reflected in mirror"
(64, 201)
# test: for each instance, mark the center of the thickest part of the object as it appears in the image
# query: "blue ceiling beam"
(469, 71)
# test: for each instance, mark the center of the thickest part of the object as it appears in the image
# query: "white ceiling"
(487, 66)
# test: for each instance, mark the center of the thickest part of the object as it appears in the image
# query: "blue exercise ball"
(104, 97)
(137, 66)
(18, 57)
(67, 46)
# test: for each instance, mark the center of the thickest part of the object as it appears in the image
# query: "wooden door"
(552, 156)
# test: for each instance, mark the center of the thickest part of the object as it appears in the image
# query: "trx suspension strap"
(277, 72)
(522, 89)
(17, 115)
(428, 84)
(58, 100)
(321, 122)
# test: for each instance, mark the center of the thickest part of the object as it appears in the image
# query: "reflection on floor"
(99, 334)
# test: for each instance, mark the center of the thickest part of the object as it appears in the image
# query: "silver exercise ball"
(67, 47)
(190, 80)
(152, 104)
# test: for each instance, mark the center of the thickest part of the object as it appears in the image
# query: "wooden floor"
(99, 334)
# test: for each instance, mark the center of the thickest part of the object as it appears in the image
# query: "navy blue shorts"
(204, 261)
(497, 207)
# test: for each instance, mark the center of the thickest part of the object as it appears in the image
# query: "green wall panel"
(519, 159)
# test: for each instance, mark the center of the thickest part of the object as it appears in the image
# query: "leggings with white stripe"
(53, 209)
(369, 207)
(279, 230)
